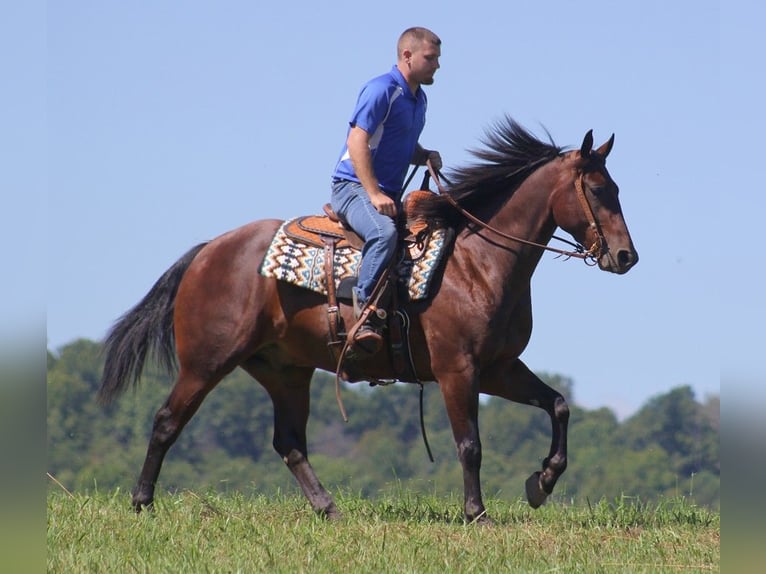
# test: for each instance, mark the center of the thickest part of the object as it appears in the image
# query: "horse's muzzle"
(618, 262)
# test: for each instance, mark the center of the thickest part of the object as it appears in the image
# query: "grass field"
(210, 532)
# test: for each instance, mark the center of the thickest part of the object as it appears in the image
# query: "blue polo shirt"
(394, 117)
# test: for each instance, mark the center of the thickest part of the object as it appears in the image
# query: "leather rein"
(590, 257)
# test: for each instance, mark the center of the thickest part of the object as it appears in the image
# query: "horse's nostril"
(626, 258)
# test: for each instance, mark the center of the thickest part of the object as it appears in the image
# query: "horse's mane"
(510, 154)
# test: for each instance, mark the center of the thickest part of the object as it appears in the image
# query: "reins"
(589, 257)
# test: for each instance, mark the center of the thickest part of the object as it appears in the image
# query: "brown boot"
(366, 338)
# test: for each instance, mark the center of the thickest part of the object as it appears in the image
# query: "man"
(382, 141)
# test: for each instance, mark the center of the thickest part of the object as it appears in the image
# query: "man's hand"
(383, 203)
(422, 156)
(435, 158)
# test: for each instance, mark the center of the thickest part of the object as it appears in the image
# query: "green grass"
(406, 532)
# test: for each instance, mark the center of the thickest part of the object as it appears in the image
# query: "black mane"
(510, 154)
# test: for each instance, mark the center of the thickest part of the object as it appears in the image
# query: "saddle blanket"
(303, 265)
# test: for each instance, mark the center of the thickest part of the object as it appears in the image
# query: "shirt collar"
(397, 75)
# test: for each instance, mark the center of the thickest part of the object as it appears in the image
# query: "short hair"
(415, 35)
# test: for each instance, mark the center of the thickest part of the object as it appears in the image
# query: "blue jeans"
(351, 203)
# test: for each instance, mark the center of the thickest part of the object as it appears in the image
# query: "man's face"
(424, 61)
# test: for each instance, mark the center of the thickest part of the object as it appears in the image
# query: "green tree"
(677, 424)
(669, 447)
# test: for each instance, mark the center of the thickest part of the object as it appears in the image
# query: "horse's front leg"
(461, 398)
(517, 383)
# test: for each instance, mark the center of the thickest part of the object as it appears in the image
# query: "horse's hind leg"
(184, 400)
(521, 385)
(289, 389)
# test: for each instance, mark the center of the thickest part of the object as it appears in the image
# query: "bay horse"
(214, 311)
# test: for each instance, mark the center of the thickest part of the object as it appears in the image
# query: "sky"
(136, 130)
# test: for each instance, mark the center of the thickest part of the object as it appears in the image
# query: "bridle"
(599, 244)
(590, 257)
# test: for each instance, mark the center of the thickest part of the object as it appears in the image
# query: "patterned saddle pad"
(302, 263)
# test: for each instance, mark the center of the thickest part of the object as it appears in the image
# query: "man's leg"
(351, 202)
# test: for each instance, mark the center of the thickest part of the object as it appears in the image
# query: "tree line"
(669, 448)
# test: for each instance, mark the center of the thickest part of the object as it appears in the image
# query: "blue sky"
(169, 123)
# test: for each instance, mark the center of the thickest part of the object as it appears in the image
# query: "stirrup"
(365, 337)
(367, 341)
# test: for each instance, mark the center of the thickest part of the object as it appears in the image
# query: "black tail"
(146, 328)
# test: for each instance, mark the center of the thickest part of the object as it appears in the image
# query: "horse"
(212, 311)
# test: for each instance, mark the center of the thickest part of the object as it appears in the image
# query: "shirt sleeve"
(371, 107)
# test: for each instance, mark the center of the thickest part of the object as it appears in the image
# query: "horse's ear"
(604, 150)
(587, 144)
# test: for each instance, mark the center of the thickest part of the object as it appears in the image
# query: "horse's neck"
(525, 215)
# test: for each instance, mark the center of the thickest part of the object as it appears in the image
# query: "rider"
(382, 140)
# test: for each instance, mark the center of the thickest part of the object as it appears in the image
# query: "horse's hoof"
(535, 494)
(483, 520)
(334, 516)
(330, 513)
(140, 503)
(137, 508)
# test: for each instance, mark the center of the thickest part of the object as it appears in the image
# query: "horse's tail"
(146, 328)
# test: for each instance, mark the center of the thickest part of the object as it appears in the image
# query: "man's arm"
(358, 144)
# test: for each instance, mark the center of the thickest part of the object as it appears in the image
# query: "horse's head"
(588, 207)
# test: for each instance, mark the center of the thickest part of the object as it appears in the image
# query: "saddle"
(313, 229)
(330, 232)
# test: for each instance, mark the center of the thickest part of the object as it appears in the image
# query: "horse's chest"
(511, 334)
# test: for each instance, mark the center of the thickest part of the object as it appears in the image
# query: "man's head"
(418, 52)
